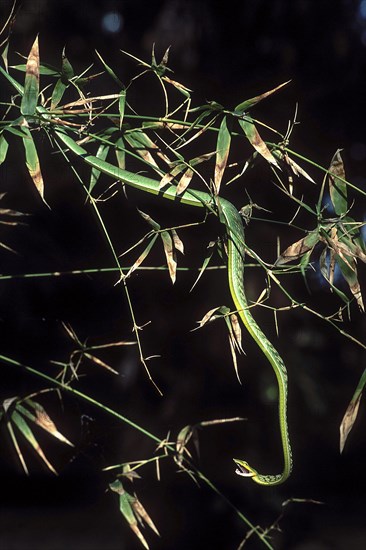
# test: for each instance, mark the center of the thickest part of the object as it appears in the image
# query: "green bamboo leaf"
(31, 84)
(3, 148)
(222, 153)
(110, 71)
(27, 433)
(32, 161)
(120, 153)
(248, 103)
(351, 412)
(142, 145)
(125, 500)
(210, 250)
(67, 71)
(43, 69)
(102, 153)
(256, 141)
(182, 89)
(57, 93)
(42, 419)
(121, 107)
(149, 220)
(337, 187)
(348, 268)
(17, 448)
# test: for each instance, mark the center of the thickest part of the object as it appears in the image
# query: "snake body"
(231, 218)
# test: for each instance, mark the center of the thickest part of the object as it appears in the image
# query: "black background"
(226, 52)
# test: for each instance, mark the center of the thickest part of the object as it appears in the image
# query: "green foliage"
(158, 145)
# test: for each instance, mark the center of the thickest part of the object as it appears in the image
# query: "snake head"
(244, 469)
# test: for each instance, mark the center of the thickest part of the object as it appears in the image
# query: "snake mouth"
(241, 470)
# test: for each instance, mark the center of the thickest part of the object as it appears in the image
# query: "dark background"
(228, 52)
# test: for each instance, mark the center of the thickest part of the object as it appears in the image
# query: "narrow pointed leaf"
(127, 510)
(4, 56)
(110, 71)
(99, 362)
(142, 256)
(149, 220)
(32, 161)
(42, 419)
(256, 141)
(184, 181)
(120, 153)
(213, 314)
(206, 261)
(67, 71)
(27, 433)
(3, 148)
(337, 187)
(183, 89)
(143, 146)
(121, 106)
(248, 103)
(17, 448)
(169, 254)
(178, 243)
(351, 412)
(299, 248)
(57, 93)
(169, 176)
(102, 153)
(140, 512)
(348, 268)
(222, 153)
(31, 85)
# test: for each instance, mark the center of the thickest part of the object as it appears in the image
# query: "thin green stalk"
(87, 398)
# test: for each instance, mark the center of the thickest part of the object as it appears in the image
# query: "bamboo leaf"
(27, 433)
(102, 153)
(126, 509)
(348, 268)
(149, 220)
(206, 261)
(42, 419)
(121, 107)
(67, 71)
(142, 256)
(222, 153)
(3, 148)
(169, 254)
(32, 162)
(17, 448)
(57, 93)
(337, 187)
(212, 315)
(110, 71)
(351, 412)
(99, 362)
(120, 153)
(248, 103)
(141, 513)
(31, 84)
(256, 141)
(184, 181)
(178, 243)
(299, 248)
